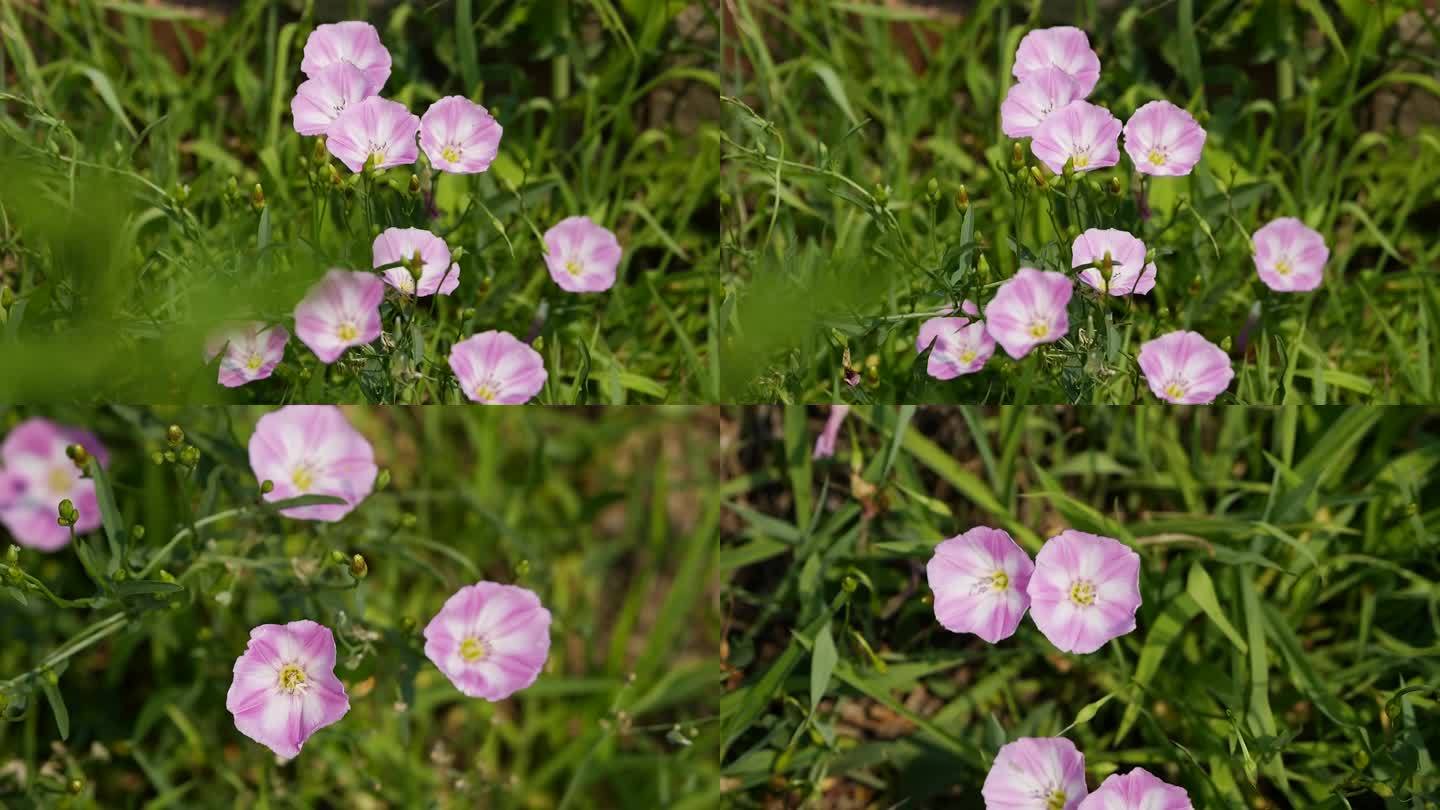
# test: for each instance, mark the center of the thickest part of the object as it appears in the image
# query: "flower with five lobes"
(1030, 102)
(1290, 256)
(960, 345)
(376, 131)
(36, 474)
(353, 42)
(340, 311)
(285, 689)
(1081, 134)
(1129, 273)
(497, 368)
(1036, 773)
(1029, 309)
(459, 135)
(490, 640)
(581, 255)
(252, 351)
(312, 450)
(1064, 47)
(1137, 790)
(1184, 368)
(825, 442)
(979, 579)
(1163, 139)
(1085, 590)
(399, 245)
(319, 101)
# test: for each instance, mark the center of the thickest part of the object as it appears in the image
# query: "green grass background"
(841, 115)
(608, 515)
(123, 125)
(1287, 653)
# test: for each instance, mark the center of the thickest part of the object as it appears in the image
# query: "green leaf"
(1202, 589)
(835, 87)
(144, 586)
(110, 516)
(304, 500)
(822, 665)
(1166, 629)
(57, 705)
(106, 91)
(465, 46)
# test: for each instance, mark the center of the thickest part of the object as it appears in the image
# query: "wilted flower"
(497, 368)
(340, 311)
(285, 689)
(490, 640)
(1289, 256)
(1085, 590)
(1185, 368)
(1163, 139)
(396, 245)
(1036, 773)
(36, 475)
(1082, 134)
(1129, 272)
(319, 101)
(979, 580)
(581, 255)
(353, 42)
(312, 450)
(1029, 309)
(374, 130)
(252, 350)
(825, 442)
(1137, 790)
(1031, 101)
(961, 346)
(459, 135)
(1064, 47)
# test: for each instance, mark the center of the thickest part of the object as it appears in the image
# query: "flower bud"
(382, 480)
(257, 197)
(190, 455)
(335, 179)
(12, 555)
(1068, 170)
(165, 576)
(539, 344)
(174, 435)
(1037, 176)
(408, 520)
(137, 533)
(933, 187)
(1017, 155)
(67, 514)
(157, 457)
(76, 786)
(414, 185)
(358, 567)
(232, 189)
(882, 194)
(337, 557)
(78, 454)
(962, 199)
(522, 568)
(267, 486)
(7, 296)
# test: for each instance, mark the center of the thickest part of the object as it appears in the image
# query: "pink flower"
(252, 350)
(489, 639)
(1289, 256)
(459, 135)
(581, 255)
(1063, 47)
(36, 475)
(1029, 309)
(375, 128)
(1130, 274)
(285, 687)
(497, 368)
(825, 442)
(1036, 773)
(1163, 139)
(962, 346)
(979, 580)
(1079, 132)
(312, 450)
(438, 274)
(354, 42)
(319, 101)
(1185, 368)
(1137, 790)
(1085, 590)
(340, 311)
(1031, 101)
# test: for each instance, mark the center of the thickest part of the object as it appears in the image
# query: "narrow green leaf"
(822, 665)
(1202, 589)
(57, 705)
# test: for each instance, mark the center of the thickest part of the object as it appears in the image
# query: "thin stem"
(165, 550)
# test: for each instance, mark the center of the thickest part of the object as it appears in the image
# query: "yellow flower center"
(1174, 391)
(303, 479)
(347, 331)
(450, 153)
(61, 478)
(486, 392)
(1000, 581)
(1082, 593)
(1039, 329)
(1157, 157)
(967, 356)
(1080, 161)
(573, 268)
(1283, 267)
(254, 361)
(291, 678)
(376, 159)
(473, 649)
(1056, 800)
